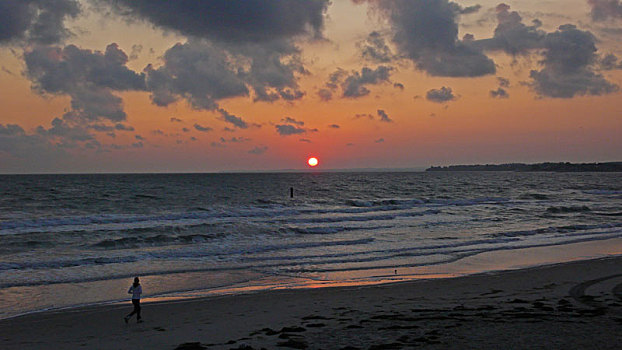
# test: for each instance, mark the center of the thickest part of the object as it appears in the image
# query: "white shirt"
(135, 291)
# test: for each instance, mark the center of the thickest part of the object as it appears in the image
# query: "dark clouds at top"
(230, 20)
(569, 66)
(512, 35)
(36, 21)
(427, 33)
(605, 9)
(89, 77)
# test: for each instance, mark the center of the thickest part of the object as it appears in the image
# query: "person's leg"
(137, 305)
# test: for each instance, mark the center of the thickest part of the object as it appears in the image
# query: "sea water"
(69, 240)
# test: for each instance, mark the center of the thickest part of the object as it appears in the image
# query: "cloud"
(176, 120)
(325, 94)
(235, 139)
(305, 140)
(609, 62)
(196, 71)
(139, 138)
(235, 120)
(353, 84)
(89, 77)
(512, 35)
(375, 49)
(230, 20)
(470, 9)
(11, 130)
(123, 127)
(292, 121)
(569, 59)
(36, 21)
(203, 73)
(286, 129)
(605, 9)
(202, 128)
(503, 82)
(384, 117)
(136, 50)
(334, 126)
(499, 93)
(258, 150)
(442, 95)
(426, 32)
(380, 140)
(399, 86)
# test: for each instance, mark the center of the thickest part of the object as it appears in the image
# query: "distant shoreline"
(555, 167)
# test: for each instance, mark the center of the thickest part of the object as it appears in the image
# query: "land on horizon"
(548, 166)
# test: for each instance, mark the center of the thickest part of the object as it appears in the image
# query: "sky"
(91, 86)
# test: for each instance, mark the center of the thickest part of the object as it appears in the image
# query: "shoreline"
(476, 311)
(505, 260)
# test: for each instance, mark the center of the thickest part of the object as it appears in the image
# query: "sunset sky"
(202, 86)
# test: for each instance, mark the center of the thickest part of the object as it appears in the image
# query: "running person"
(135, 289)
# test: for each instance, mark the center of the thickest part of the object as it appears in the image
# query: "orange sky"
(472, 127)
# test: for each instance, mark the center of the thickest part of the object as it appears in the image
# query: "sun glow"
(312, 162)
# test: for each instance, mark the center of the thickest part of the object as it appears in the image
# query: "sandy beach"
(572, 305)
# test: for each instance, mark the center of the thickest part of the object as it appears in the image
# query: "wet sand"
(576, 305)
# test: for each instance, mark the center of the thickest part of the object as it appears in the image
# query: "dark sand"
(575, 305)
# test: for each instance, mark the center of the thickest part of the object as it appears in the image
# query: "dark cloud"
(176, 120)
(258, 150)
(36, 21)
(499, 93)
(196, 71)
(136, 50)
(442, 95)
(334, 126)
(569, 59)
(185, 129)
(139, 138)
(399, 86)
(204, 73)
(235, 139)
(202, 128)
(375, 49)
(230, 20)
(384, 117)
(123, 127)
(354, 85)
(325, 94)
(89, 77)
(292, 121)
(235, 120)
(470, 9)
(287, 129)
(605, 9)
(305, 140)
(503, 82)
(512, 35)
(380, 140)
(426, 31)
(70, 134)
(11, 130)
(609, 62)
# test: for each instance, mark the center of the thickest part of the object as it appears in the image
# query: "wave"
(567, 229)
(566, 210)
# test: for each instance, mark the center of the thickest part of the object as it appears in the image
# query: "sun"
(313, 162)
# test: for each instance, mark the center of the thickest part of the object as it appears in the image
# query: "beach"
(571, 305)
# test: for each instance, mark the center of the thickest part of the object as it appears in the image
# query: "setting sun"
(313, 161)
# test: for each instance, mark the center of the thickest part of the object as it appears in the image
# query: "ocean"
(71, 240)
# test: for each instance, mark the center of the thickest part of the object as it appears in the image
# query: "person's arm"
(130, 290)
